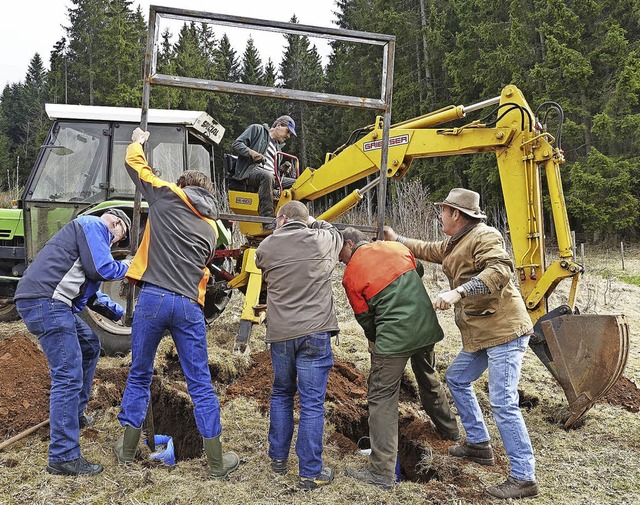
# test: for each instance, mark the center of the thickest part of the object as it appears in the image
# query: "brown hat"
(464, 200)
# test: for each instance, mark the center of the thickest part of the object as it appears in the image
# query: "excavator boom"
(586, 354)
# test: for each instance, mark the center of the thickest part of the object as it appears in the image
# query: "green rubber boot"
(127, 445)
(220, 465)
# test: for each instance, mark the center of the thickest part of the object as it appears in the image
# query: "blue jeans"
(159, 310)
(504, 363)
(306, 361)
(72, 350)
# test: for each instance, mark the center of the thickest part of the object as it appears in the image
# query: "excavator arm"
(585, 354)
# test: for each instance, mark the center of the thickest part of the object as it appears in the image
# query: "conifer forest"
(581, 54)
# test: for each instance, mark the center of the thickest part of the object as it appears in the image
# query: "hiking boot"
(323, 478)
(481, 453)
(366, 475)
(78, 466)
(85, 420)
(279, 466)
(514, 488)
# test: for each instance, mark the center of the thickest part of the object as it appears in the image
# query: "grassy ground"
(598, 463)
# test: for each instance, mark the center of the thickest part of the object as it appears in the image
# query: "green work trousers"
(382, 396)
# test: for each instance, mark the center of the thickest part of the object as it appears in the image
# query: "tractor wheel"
(8, 311)
(115, 337)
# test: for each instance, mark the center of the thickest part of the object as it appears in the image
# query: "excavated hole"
(172, 408)
(423, 455)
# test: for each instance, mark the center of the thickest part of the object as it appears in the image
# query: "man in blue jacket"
(64, 278)
(256, 148)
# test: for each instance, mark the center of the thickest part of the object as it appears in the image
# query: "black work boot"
(85, 420)
(280, 466)
(514, 488)
(127, 445)
(481, 453)
(220, 465)
(78, 466)
(366, 475)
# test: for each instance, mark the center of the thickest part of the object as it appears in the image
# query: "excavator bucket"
(585, 353)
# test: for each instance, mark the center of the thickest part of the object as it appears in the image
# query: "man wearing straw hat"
(495, 329)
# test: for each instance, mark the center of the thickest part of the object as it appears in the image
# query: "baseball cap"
(125, 219)
(291, 124)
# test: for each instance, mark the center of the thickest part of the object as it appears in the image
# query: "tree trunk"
(425, 55)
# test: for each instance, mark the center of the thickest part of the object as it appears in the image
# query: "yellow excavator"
(587, 353)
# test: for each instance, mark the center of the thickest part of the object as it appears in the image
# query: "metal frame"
(151, 76)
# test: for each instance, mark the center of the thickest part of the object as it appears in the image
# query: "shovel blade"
(588, 353)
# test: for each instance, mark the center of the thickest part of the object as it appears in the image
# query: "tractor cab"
(80, 170)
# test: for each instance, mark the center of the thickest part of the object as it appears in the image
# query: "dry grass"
(599, 463)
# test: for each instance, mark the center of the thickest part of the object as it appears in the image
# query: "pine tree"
(301, 68)
(87, 18)
(249, 107)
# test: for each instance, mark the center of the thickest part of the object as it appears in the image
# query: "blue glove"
(105, 306)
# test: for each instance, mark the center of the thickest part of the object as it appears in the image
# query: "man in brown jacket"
(495, 329)
(297, 262)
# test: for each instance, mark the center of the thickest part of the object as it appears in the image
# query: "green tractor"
(80, 170)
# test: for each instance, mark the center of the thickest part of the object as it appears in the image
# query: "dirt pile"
(423, 455)
(24, 385)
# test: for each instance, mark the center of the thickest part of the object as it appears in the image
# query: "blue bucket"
(167, 456)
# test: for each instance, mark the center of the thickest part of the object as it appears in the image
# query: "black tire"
(115, 337)
(8, 313)
(218, 294)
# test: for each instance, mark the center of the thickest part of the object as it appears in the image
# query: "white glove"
(140, 136)
(446, 299)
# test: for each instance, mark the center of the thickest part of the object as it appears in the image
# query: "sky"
(34, 26)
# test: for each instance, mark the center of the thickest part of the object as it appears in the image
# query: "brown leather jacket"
(297, 263)
(484, 320)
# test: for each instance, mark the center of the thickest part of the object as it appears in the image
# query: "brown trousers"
(382, 396)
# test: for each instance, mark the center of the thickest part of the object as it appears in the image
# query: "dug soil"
(24, 402)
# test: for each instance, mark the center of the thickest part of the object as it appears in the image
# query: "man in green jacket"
(394, 309)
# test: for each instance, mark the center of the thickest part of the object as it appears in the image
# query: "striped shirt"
(269, 156)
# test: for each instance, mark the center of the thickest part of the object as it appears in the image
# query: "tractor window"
(200, 156)
(165, 154)
(73, 166)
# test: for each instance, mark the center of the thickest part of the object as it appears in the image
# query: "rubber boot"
(220, 465)
(127, 445)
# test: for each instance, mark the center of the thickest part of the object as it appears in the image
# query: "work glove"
(389, 234)
(105, 306)
(140, 136)
(127, 261)
(446, 299)
(256, 156)
(286, 169)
